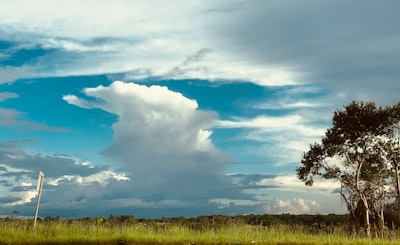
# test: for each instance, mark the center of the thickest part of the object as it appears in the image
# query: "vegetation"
(362, 152)
(215, 229)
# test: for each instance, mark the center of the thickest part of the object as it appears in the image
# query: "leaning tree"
(361, 151)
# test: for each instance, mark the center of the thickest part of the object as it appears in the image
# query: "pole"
(39, 193)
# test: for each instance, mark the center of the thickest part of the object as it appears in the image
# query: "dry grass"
(80, 232)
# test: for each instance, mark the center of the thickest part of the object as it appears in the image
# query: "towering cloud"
(162, 140)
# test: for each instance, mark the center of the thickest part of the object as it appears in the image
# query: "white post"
(39, 193)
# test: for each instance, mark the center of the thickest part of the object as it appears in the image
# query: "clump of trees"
(362, 152)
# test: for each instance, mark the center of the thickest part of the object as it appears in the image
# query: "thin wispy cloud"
(7, 95)
(154, 41)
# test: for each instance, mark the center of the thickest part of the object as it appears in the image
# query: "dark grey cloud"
(13, 155)
(9, 199)
(16, 119)
(352, 46)
(19, 188)
(230, 7)
(5, 183)
(69, 184)
(189, 64)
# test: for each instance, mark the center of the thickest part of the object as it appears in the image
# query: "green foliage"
(361, 151)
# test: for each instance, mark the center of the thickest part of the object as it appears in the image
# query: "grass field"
(99, 232)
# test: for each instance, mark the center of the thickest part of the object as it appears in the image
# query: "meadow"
(203, 230)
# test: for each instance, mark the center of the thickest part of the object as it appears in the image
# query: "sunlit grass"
(79, 232)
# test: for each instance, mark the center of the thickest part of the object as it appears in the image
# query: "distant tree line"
(212, 220)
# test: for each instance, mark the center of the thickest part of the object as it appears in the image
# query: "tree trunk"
(396, 164)
(364, 200)
(382, 222)
(366, 218)
(396, 168)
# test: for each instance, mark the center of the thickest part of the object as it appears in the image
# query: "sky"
(183, 107)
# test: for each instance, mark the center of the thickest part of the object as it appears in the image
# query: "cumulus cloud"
(163, 141)
(292, 196)
(293, 206)
(282, 194)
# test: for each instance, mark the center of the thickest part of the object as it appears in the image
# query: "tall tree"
(361, 152)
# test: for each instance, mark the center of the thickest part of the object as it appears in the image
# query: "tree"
(361, 151)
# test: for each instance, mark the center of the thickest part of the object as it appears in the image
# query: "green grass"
(80, 232)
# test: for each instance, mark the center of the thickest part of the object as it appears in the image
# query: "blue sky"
(149, 109)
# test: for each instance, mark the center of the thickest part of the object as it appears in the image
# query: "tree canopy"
(361, 151)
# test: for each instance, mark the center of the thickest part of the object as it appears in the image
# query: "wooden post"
(39, 193)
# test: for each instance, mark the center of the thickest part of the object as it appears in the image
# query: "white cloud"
(96, 19)
(26, 184)
(75, 46)
(8, 95)
(162, 140)
(293, 184)
(130, 37)
(21, 198)
(226, 203)
(73, 100)
(283, 138)
(292, 122)
(103, 178)
(293, 206)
